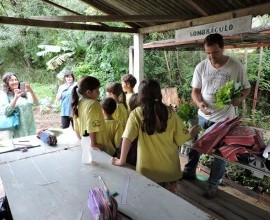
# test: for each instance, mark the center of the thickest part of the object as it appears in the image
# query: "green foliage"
(244, 177)
(106, 58)
(227, 93)
(206, 159)
(172, 69)
(187, 112)
(253, 68)
(260, 119)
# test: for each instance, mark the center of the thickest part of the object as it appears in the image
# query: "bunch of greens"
(187, 112)
(227, 93)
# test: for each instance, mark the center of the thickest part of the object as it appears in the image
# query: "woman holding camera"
(22, 97)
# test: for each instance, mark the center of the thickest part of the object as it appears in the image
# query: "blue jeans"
(217, 166)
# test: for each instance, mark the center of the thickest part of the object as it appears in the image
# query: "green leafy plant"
(187, 112)
(227, 93)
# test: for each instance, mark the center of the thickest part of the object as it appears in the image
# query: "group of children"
(133, 128)
(104, 121)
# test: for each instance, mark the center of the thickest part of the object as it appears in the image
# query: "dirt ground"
(51, 119)
(47, 120)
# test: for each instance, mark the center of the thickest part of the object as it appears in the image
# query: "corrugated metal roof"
(187, 9)
(149, 16)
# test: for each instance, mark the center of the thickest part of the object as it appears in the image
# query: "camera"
(22, 87)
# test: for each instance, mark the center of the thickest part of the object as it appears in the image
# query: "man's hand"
(236, 101)
(204, 108)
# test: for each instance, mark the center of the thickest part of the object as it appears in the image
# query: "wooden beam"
(196, 7)
(60, 7)
(61, 25)
(171, 44)
(248, 45)
(199, 44)
(255, 10)
(66, 9)
(114, 18)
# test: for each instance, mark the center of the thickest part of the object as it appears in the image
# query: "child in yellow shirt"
(132, 153)
(115, 91)
(128, 83)
(160, 132)
(87, 114)
(113, 127)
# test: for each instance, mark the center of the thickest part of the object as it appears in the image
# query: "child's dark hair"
(133, 102)
(117, 90)
(154, 112)
(109, 105)
(6, 77)
(212, 39)
(86, 83)
(128, 78)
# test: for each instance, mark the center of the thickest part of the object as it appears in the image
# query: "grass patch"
(44, 90)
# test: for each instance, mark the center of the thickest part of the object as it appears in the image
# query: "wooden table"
(66, 140)
(55, 185)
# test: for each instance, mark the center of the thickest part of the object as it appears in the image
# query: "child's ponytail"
(122, 99)
(75, 101)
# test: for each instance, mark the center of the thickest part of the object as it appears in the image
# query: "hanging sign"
(225, 28)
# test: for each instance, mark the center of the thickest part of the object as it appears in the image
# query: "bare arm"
(17, 95)
(198, 100)
(78, 135)
(94, 143)
(59, 93)
(124, 152)
(29, 89)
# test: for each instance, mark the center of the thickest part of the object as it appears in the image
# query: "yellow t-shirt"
(91, 119)
(128, 97)
(114, 130)
(121, 114)
(157, 154)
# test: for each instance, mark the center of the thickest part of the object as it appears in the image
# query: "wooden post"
(257, 85)
(131, 60)
(138, 59)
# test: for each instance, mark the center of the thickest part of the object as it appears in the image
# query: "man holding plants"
(209, 77)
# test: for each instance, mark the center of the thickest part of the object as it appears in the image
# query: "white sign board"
(225, 28)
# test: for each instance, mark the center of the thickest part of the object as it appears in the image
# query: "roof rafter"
(196, 7)
(113, 18)
(61, 7)
(66, 9)
(62, 25)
